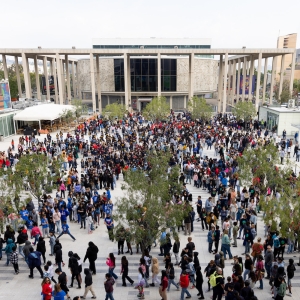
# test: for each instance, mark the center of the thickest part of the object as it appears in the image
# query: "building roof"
(282, 109)
(43, 112)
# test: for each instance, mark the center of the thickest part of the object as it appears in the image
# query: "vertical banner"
(5, 100)
(247, 83)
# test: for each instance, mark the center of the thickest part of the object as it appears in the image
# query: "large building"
(149, 74)
(285, 62)
(134, 72)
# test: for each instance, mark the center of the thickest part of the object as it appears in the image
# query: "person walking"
(41, 247)
(21, 239)
(34, 261)
(171, 277)
(35, 233)
(111, 262)
(58, 293)
(91, 255)
(155, 271)
(124, 271)
(46, 289)
(226, 245)
(88, 280)
(65, 230)
(74, 267)
(8, 249)
(108, 285)
(62, 280)
(163, 285)
(14, 257)
(199, 282)
(184, 283)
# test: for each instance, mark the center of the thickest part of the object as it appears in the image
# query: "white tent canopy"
(43, 112)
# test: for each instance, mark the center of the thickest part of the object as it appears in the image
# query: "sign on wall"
(5, 99)
(247, 84)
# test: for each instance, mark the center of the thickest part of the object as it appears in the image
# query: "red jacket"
(46, 290)
(164, 283)
(184, 281)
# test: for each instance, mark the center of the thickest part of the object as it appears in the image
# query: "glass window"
(152, 67)
(153, 83)
(145, 66)
(137, 67)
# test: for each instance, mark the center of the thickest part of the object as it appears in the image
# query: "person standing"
(124, 271)
(128, 239)
(120, 237)
(57, 220)
(88, 280)
(58, 293)
(41, 247)
(108, 285)
(65, 230)
(34, 261)
(184, 283)
(226, 244)
(218, 289)
(46, 288)
(155, 271)
(109, 223)
(35, 233)
(21, 239)
(91, 255)
(45, 225)
(199, 282)
(290, 270)
(281, 289)
(269, 258)
(74, 267)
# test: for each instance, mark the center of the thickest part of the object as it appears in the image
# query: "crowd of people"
(91, 168)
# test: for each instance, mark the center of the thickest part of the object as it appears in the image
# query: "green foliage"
(260, 167)
(199, 108)
(285, 96)
(157, 109)
(146, 206)
(114, 111)
(68, 115)
(80, 108)
(244, 110)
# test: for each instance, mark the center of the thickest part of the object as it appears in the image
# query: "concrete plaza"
(21, 287)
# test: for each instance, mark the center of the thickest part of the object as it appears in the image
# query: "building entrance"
(143, 103)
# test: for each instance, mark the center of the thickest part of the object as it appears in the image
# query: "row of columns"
(127, 79)
(229, 69)
(56, 70)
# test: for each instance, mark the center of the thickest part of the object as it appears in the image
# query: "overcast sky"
(67, 23)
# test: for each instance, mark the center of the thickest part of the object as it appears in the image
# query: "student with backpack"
(216, 281)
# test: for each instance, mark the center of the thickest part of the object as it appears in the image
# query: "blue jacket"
(210, 237)
(34, 259)
(9, 246)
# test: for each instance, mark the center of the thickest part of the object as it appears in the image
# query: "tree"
(261, 168)
(114, 111)
(285, 96)
(146, 206)
(199, 108)
(32, 174)
(244, 110)
(285, 90)
(80, 108)
(157, 109)
(67, 115)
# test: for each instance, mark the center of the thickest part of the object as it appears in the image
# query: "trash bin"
(1, 138)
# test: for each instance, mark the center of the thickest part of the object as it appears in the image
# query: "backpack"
(276, 242)
(213, 279)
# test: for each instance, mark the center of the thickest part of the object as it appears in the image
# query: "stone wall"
(106, 75)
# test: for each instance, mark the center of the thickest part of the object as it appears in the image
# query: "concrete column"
(68, 80)
(158, 75)
(59, 75)
(37, 78)
(126, 80)
(53, 71)
(281, 76)
(4, 66)
(26, 76)
(191, 75)
(73, 80)
(273, 79)
(225, 82)
(46, 77)
(233, 83)
(265, 80)
(229, 79)
(18, 76)
(77, 82)
(292, 72)
(98, 84)
(244, 77)
(171, 102)
(63, 81)
(258, 80)
(238, 81)
(93, 82)
(220, 83)
(251, 78)
(29, 78)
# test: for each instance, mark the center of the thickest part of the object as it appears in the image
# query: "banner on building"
(247, 83)
(5, 99)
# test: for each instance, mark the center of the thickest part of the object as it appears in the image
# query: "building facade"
(144, 79)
